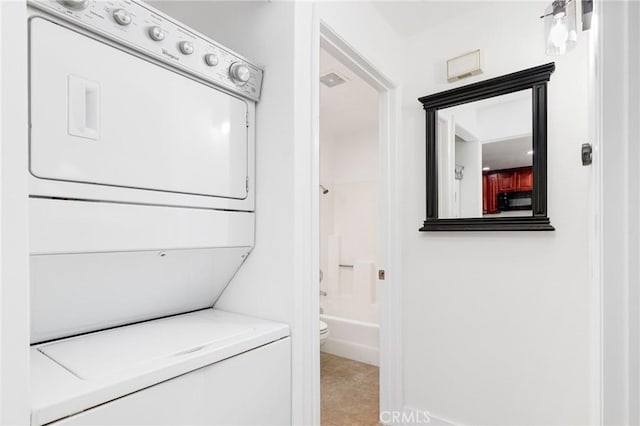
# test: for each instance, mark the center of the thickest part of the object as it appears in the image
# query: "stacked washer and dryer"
(142, 209)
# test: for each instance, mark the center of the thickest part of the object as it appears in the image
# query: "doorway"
(388, 249)
(349, 226)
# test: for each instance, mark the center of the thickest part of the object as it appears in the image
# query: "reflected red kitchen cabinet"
(490, 193)
(525, 179)
(507, 181)
(511, 180)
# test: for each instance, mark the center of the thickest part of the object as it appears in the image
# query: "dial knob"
(157, 33)
(122, 17)
(240, 73)
(186, 47)
(211, 59)
(74, 4)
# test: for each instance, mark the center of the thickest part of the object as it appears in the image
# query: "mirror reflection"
(485, 158)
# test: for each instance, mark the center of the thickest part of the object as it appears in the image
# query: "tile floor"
(349, 392)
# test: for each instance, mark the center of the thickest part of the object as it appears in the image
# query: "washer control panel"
(142, 28)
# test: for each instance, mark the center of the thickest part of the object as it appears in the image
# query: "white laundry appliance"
(141, 162)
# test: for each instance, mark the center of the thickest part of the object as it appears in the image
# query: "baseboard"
(350, 350)
(414, 417)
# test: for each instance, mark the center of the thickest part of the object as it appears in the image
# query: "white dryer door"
(103, 116)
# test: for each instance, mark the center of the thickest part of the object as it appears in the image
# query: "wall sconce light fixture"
(560, 27)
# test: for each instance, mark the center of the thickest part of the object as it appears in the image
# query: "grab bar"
(345, 266)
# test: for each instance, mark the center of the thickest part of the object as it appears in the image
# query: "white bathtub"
(356, 340)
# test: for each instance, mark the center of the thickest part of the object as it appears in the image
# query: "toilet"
(324, 333)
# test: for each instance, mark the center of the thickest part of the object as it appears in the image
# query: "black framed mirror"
(486, 151)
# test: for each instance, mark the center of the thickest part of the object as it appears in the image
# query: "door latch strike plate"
(381, 274)
(587, 154)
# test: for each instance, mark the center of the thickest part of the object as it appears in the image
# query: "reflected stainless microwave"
(516, 200)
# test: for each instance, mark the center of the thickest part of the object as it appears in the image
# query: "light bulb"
(560, 27)
(559, 33)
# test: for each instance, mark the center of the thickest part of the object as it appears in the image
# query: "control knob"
(122, 17)
(239, 73)
(211, 59)
(74, 4)
(186, 47)
(157, 33)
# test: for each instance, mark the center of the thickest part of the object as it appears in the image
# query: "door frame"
(389, 247)
(616, 207)
(14, 229)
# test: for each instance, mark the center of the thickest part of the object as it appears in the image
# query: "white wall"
(497, 326)
(326, 203)
(506, 120)
(488, 120)
(14, 250)
(469, 155)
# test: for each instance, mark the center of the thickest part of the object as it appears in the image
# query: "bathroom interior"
(348, 216)
(319, 212)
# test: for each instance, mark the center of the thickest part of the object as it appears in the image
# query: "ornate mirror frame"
(533, 78)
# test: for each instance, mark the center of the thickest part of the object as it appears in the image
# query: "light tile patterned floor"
(349, 392)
